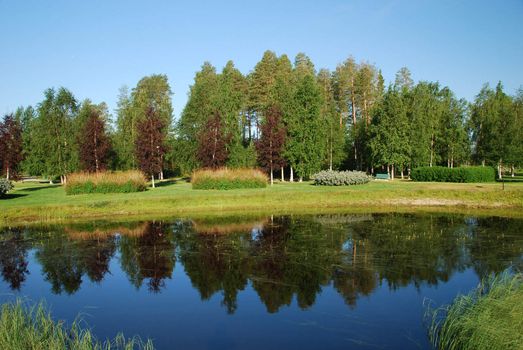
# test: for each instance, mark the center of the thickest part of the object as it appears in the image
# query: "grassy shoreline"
(44, 203)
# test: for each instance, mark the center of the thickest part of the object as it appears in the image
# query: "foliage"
(270, 145)
(496, 124)
(94, 144)
(490, 317)
(5, 186)
(212, 143)
(105, 182)
(25, 326)
(242, 157)
(227, 179)
(340, 178)
(11, 143)
(305, 145)
(150, 144)
(461, 174)
(54, 138)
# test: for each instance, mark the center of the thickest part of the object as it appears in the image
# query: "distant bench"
(382, 176)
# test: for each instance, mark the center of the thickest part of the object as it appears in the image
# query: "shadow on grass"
(165, 183)
(11, 196)
(31, 189)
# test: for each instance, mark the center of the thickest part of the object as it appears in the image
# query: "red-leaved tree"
(270, 145)
(94, 144)
(212, 143)
(10, 146)
(150, 144)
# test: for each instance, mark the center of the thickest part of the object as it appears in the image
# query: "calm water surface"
(300, 282)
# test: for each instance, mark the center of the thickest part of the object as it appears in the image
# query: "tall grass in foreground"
(29, 327)
(490, 317)
(106, 182)
(227, 179)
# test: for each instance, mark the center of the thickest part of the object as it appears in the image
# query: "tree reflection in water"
(282, 258)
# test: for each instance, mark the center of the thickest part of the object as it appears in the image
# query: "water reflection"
(282, 258)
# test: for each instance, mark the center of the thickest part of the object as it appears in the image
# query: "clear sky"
(94, 47)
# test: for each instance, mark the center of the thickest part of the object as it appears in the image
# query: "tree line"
(286, 117)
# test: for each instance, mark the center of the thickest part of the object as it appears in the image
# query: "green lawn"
(31, 202)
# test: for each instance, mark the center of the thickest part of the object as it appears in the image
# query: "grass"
(490, 317)
(228, 179)
(33, 202)
(31, 327)
(106, 182)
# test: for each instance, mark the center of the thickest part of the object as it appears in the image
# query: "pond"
(293, 282)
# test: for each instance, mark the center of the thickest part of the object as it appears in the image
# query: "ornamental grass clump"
(5, 186)
(490, 317)
(340, 178)
(24, 326)
(228, 179)
(106, 182)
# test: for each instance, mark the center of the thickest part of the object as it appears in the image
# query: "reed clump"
(24, 326)
(106, 182)
(490, 317)
(228, 179)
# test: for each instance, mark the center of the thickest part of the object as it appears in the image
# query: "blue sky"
(95, 47)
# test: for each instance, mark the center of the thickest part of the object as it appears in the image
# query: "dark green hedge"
(461, 174)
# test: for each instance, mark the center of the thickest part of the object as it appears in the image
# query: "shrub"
(227, 179)
(461, 174)
(106, 182)
(490, 317)
(340, 178)
(32, 327)
(5, 186)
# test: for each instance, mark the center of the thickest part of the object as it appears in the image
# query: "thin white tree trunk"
(392, 172)
(292, 175)
(7, 175)
(152, 179)
(282, 175)
(272, 178)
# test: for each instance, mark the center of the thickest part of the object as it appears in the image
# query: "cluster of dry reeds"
(226, 179)
(106, 182)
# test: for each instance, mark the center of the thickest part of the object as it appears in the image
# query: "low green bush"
(489, 318)
(340, 178)
(5, 186)
(228, 179)
(105, 182)
(24, 326)
(461, 174)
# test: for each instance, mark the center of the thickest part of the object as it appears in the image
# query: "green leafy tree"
(306, 143)
(54, 134)
(200, 106)
(389, 130)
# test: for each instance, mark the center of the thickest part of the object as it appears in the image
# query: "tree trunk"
(291, 179)
(7, 175)
(392, 172)
(161, 175)
(499, 169)
(282, 175)
(272, 179)
(152, 179)
(301, 179)
(402, 173)
(512, 170)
